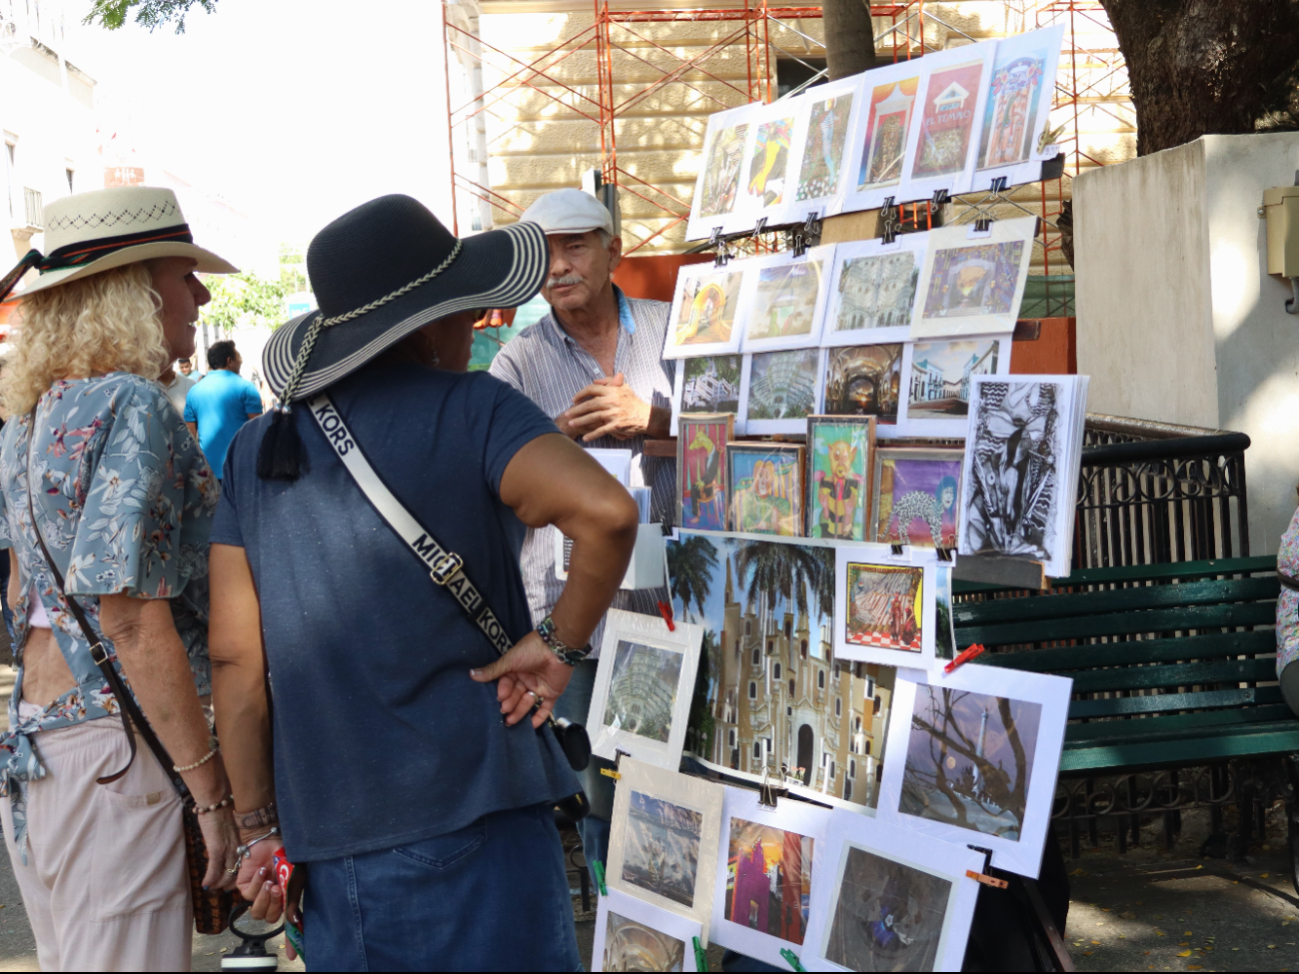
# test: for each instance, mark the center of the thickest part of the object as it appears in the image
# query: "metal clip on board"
(760, 227)
(767, 793)
(944, 554)
(889, 222)
(805, 236)
(718, 242)
(897, 550)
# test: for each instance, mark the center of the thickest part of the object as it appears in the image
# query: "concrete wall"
(1178, 319)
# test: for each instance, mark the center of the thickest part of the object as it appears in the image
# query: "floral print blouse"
(1287, 606)
(125, 502)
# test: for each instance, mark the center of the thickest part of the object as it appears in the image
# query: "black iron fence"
(1157, 492)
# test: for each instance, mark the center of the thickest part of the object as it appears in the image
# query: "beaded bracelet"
(201, 810)
(215, 747)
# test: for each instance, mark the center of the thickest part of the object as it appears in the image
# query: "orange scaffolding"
(1091, 82)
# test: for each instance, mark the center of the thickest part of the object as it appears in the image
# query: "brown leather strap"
(131, 713)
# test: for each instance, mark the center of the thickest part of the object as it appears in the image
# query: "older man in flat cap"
(595, 364)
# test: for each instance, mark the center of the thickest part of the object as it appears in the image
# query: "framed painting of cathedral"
(641, 700)
(764, 874)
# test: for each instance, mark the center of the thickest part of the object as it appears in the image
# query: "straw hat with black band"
(90, 233)
(380, 272)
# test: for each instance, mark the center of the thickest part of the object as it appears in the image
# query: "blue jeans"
(594, 829)
(489, 897)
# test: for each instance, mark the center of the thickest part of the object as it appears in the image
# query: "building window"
(838, 707)
(857, 725)
(737, 650)
(791, 686)
(847, 791)
(771, 646)
(730, 737)
(757, 750)
(789, 628)
(789, 711)
(820, 679)
(879, 704)
(802, 648)
(775, 671)
(852, 769)
(753, 690)
(868, 747)
(831, 760)
(757, 656)
(838, 669)
(748, 627)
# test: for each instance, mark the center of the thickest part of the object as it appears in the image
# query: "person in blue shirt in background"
(221, 403)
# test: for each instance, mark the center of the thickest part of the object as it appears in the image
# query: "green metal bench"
(1174, 667)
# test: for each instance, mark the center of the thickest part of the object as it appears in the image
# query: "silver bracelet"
(215, 746)
(243, 851)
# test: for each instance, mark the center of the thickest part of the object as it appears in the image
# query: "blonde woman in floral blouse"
(123, 499)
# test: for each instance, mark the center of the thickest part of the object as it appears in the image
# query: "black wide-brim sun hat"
(388, 268)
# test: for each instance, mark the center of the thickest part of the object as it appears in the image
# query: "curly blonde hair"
(107, 322)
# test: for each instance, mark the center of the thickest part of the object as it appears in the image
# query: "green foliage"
(112, 14)
(244, 300)
(293, 269)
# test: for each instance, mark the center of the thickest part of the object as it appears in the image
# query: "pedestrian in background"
(595, 365)
(408, 765)
(177, 385)
(221, 403)
(106, 503)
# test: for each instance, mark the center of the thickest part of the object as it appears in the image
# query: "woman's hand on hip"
(529, 676)
(221, 839)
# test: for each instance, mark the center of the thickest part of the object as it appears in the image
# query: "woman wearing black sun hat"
(412, 768)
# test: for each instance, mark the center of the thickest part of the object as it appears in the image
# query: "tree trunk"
(1201, 67)
(849, 37)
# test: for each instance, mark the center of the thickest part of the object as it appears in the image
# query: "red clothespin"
(992, 881)
(964, 656)
(666, 611)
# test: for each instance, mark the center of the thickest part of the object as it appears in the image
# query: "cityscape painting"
(769, 879)
(939, 384)
(711, 384)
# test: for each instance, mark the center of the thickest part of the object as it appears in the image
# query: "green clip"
(791, 959)
(598, 868)
(701, 956)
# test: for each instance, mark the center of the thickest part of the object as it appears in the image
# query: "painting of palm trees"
(775, 700)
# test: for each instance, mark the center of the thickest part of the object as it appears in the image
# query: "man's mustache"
(565, 281)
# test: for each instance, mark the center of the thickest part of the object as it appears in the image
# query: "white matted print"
(705, 310)
(884, 605)
(973, 282)
(779, 390)
(881, 134)
(707, 384)
(772, 173)
(720, 199)
(937, 379)
(631, 935)
(784, 299)
(821, 132)
(663, 840)
(641, 700)
(764, 874)
(885, 902)
(944, 130)
(975, 755)
(1015, 124)
(873, 287)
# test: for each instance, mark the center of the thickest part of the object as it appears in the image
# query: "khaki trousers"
(105, 883)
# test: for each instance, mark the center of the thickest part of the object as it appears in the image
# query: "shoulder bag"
(211, 907)
(446, 569)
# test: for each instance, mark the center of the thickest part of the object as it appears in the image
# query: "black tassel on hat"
(282, 455)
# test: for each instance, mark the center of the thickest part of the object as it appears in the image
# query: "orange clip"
(964, 656)
(992, 881)
(665, 610)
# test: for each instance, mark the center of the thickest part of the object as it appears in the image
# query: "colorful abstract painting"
(976, 280)
(769, 881)
(838, 481)
(722, 171)
(701, 470)
(887, 126)
(948, 120)
(785, 301)
(769, 160)
(706, 307)
(766, 488)
(917, 497)
(1009, 119)
(885, 608)
(827, 131)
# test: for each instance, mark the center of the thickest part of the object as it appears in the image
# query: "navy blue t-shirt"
(381, 737)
